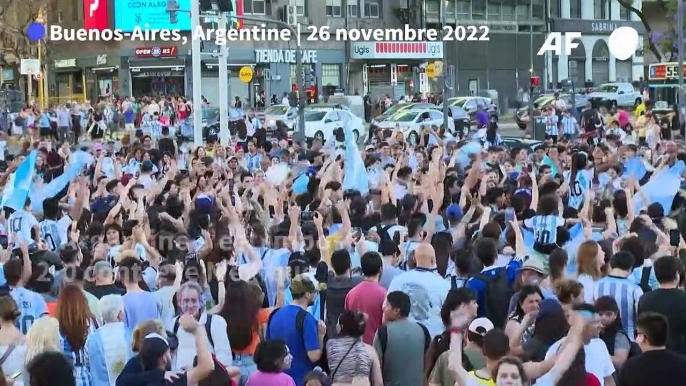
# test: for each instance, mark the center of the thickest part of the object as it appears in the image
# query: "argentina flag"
(20, 183)
(355, 172)
(661, 188)
(79, 160)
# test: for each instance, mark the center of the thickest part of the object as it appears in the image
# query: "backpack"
(383, 339)
(384, 236)
(454, 280)
(498, 294)
(645, 279)
(323, 362)
(218, 376)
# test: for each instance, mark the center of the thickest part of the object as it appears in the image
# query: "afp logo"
(361, 50)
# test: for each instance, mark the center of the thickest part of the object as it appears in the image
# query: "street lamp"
(41, 96)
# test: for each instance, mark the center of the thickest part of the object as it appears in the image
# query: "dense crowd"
(145, 261)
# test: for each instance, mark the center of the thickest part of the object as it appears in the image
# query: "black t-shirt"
(590, 118)
(661, 367)
(166, 145)
(104, 290)
(672, 304)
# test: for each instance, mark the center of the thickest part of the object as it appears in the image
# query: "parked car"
(460, 119)
(411, 120)
(613, 95)
(401, 106)
(470, 105)
(211, 125)
(321, 123)
(545, 100)
(284, 113)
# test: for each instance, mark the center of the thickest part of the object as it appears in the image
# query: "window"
(538, 11)
(575, 9)
(478, 10)
(494, 9)
(555, 8)
(331, 75)
(624, 13)
(523, 11)
(600, 11)
(353, 8)
(334, 8)
(463, 8)
(254, 7)
(371, 8)
(300, 7)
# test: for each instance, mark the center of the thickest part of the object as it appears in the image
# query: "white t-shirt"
(589, 286)
(427, 291)
(598, 360)
(21, 222)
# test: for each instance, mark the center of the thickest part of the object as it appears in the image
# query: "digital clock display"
(664, 71)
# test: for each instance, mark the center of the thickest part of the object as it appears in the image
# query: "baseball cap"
(147, 166)
(154, 347)
(370, 147)
(454, 212)
(481, 326)
(548, 308)
(97, 146)
(533, 265)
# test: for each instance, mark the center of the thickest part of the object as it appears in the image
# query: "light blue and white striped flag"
(356, 176)
(20, 183)
(79, 159)
(661, 189)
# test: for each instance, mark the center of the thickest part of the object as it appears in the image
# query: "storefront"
(237, 58)
(591, 60)
(103, 78)
(68, 84)
(393, 68)
(157, 71)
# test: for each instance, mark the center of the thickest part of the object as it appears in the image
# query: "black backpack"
(384, 236)
(645, 279)
(498, 294)
(383, 339)
(218, 376)
(323, 362)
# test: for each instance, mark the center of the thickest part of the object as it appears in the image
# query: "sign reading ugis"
(131, 13)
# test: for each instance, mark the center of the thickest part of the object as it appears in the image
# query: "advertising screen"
(131, 13)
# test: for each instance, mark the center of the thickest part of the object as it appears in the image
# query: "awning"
(215, 63)
(156, 63)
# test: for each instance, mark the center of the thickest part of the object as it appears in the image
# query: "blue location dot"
(36, 31)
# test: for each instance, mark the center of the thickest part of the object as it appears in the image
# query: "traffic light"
(173, 9)
(534, 81)
(293, 99)
(309, 80)
(290, 16)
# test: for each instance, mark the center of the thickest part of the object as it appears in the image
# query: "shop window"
(300, 7)
(353, 8)
(254, 7)
(334, 8)
(372, 8)
(331, 75)
(575, 9)
(463, 8)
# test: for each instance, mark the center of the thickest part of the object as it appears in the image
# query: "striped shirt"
(551, 125)
(569, 125)
(79, 361)
(626, 294)
(253, 161)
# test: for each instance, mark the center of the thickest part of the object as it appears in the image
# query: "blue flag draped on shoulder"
(635, 166)
(20, 182)
(355, 173)
(79, 160)
(661, 188)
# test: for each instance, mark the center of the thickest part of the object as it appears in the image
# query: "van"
(354, 102)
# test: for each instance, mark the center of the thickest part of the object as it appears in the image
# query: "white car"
(284, 113)
(410, 122)
(321, 123)
(614, 95)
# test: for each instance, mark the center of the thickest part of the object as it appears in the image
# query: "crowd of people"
(144, 261)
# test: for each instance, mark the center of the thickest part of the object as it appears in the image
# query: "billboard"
(131, 13)
(95, 14)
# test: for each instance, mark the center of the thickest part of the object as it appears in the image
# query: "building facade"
(591, 60)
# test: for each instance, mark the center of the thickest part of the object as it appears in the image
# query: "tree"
(668, 40)
(652, 44)
(15, 44)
